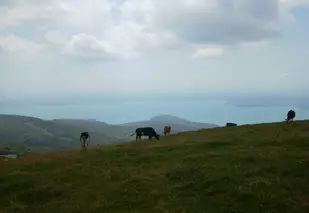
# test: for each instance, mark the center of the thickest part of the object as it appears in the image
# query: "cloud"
(284, 75)
(134, 45)
(130, 39)
(222, 21)
(122, 41)
(13, 43)
(255, 44)
(295, 3)
(128, 28)
(88, 46)
(17, 12)
(57, 37)
(208, 52)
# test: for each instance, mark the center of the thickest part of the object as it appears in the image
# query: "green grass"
(36, 133)
(250, 169)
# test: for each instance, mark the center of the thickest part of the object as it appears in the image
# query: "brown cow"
(167, 129)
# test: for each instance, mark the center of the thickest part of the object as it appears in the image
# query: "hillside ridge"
(249, 168)
(36, 133)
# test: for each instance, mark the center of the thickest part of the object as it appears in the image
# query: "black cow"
(84, 139)
(290, 116)
(231, 124)
(146, 131)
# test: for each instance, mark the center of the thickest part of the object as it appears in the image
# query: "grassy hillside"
(123, 131)
(37, 133)
(252, 168)
(113, 131)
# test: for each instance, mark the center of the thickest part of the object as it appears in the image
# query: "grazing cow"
(84, 139)
(146, 131)
(167, 129)
(231, 124)
(290, 116)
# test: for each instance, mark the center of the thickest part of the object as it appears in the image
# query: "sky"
(72, 47)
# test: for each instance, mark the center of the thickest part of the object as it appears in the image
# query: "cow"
(231, 124)
(290, 116)
(167, 129)
(84, 139)
(146, 131)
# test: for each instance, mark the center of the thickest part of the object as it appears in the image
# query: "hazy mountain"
(178, 124)
(34, 132)
(112, 131)
(64, 133)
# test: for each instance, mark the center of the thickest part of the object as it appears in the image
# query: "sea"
(215, 111)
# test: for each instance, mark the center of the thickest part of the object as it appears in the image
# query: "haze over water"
(200, 110)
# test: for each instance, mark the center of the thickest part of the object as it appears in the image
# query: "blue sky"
(65, 47)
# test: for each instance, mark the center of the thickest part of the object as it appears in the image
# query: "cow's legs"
(83, 142)
(150, 138)
(139, 137)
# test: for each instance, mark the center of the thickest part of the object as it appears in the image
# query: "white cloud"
(128, 28)
(125, 40)
(13, 43)
(57, 37)
(208, 52)
(138, 11)
(86, 46)
(129, 39)
(295, 3)
(143, 32)
(19, 11)
(222, 21)
(284, 75)
(255, 44)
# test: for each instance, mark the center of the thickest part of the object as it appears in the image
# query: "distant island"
(24, 132)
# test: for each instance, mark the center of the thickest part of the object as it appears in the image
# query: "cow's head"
(157, 137)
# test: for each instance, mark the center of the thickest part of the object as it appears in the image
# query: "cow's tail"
(133, 133)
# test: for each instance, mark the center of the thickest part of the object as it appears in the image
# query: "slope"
(252, 168)
(178, 124)
(37, 133)
(113, 131)
(122, 132)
